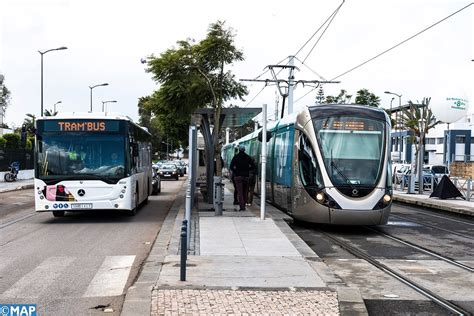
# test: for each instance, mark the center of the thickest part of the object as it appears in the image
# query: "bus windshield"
(352, 149)
(81, 156)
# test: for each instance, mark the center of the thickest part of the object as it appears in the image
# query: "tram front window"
(81, 157)
(352, 149)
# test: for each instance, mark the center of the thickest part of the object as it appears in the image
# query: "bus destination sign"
(81, 126)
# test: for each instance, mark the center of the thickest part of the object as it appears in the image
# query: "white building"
(459, 136)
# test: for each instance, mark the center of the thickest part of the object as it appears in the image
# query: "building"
(446, 142)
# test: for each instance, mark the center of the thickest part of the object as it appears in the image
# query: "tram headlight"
(387, 198)
(320, 197)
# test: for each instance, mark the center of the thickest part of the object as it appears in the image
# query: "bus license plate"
(81, 206)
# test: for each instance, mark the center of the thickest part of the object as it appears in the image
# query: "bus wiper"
(333, 164)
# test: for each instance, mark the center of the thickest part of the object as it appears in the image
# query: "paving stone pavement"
(243, 302)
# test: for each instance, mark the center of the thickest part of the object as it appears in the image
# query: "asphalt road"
(81, 264)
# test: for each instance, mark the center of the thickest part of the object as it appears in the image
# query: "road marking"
(34, 283)
(111, 278)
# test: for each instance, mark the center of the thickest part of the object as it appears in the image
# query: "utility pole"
(286, 86)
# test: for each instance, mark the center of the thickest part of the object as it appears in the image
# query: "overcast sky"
(107, 39)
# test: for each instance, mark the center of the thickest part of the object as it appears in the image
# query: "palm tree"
(29, 121)
(418, 119)
(50, 113)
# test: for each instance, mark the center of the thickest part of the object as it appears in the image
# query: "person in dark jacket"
(252, 181)
(240, 166)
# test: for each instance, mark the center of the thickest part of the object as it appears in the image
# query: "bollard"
(184, 250)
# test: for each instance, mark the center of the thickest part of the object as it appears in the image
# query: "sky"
(107, 40)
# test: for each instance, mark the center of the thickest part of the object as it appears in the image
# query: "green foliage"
(50, 113)
(364, 97)
(30, 142)
(341, 98)
(3, 142)
(12, 140)
(29, 121)
(418, 119)
(320, 96)
(193, 76)
(5, 99)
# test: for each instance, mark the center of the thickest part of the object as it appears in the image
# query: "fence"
(23, 156)
(465, 186)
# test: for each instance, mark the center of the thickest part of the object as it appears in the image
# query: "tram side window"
(310, 173)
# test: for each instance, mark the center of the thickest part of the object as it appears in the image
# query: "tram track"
(437, 299)
(423, 249)
(433, 226)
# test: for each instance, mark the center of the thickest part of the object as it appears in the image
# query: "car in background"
(178, 166)
(438, 170)
(168, 171)
(155, 181)
(399, 171)
(183, 165)
(429, 179)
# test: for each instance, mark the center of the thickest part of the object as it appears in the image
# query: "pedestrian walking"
(252, 181)
(240, 166)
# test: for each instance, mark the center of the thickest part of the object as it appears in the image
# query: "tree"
(50, 113)
(320, 95)
(12, 140)
(341, 98)
(5, 96)
(29, 121)
(148, 120)
(364, 97)
(418, 119)
(194, 76)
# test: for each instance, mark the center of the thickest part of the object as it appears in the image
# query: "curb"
(435, 204)
(138, 296)
(21, 187)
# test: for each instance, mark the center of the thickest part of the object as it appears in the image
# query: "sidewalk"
(16, 185)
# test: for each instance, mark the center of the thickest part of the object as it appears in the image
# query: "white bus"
(91, 161)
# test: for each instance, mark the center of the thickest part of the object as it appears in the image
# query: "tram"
(326, 164)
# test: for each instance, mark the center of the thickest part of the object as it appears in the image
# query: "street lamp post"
(56, 104)
(42, 53)
(396, 123)
(97, 85)
(105, 102)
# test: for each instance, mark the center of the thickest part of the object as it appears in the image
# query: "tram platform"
(457, 205)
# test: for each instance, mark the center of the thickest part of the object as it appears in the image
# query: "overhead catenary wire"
(391, 48)
(316, 32)
(324, 31)
(402, 42)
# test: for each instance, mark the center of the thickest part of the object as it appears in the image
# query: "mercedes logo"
(81, 192)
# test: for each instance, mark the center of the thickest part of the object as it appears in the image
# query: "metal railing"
(465, 186)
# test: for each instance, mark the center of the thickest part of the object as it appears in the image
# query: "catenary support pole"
(264, 162)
